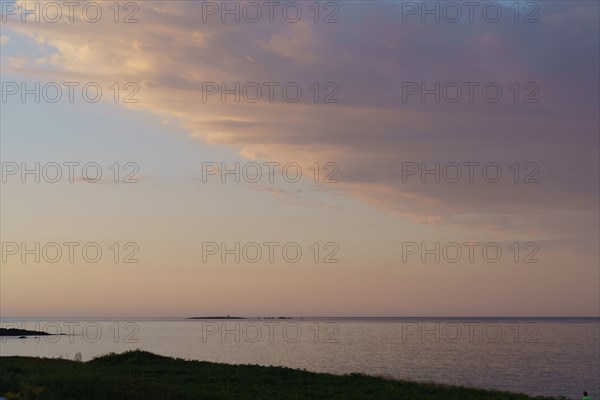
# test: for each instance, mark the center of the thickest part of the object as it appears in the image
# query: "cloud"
(372, 133)
(4, 39)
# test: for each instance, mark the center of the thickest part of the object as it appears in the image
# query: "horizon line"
(311, 316)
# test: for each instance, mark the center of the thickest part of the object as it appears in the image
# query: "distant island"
(230, 317)
(22, 332)
(227, 317)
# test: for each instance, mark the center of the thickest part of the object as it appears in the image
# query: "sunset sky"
(372, 134)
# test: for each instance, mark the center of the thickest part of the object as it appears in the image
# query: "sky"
(438, 140)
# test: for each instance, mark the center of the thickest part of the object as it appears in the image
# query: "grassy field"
(141, 375)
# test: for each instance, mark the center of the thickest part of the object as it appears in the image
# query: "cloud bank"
(375, 132)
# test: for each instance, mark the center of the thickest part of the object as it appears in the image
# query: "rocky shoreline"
(23, 333)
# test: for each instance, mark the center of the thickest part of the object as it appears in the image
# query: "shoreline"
(143, 375)
(21, 333)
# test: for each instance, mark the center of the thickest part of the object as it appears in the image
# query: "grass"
(137, 375)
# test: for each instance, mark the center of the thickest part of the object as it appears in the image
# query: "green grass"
(141, 375)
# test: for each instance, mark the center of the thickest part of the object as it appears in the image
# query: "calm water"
(538, 357)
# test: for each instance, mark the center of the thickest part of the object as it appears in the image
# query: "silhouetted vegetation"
(137, 375)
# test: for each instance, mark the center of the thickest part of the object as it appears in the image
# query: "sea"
(536, 356)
